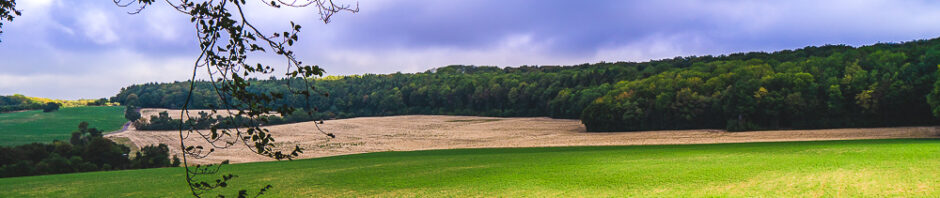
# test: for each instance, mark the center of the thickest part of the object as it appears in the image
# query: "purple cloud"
(90, 49)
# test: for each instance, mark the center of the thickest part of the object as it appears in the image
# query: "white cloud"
(654, 47)
(97, 27)
(162, 24)
(34, 5)
(512, 50)
(100, 75)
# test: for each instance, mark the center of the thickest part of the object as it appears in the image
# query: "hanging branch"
(226, 38)
(8, 12)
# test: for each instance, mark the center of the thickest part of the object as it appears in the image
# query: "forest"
(886, 84)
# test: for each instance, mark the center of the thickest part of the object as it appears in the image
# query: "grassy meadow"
(856, 168)
(35, 126)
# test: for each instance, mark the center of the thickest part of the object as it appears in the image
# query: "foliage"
(934, 97)
(825, 87)
(87, 150)
(153, 157)
(26, 127)
(462, 90)
(163, 121)
(814, 87)
(7, 12)
(50, 107)
(132, 113)
(858, 168)
(19, 102)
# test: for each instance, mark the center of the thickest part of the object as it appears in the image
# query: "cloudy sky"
(72, 49)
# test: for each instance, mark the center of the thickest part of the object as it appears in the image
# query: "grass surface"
(861, 168)
(35, 126)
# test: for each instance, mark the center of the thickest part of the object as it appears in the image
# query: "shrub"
(50, 107)
(131, 113)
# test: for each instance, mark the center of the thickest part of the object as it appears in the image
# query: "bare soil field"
(424, 132)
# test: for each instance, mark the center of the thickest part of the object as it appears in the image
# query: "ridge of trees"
(829, 86)
(19, 102)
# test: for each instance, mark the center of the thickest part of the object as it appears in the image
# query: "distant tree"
(934, 97)
(132, 100)
(176, 161)
(105, 153)
(76, 138)
(50, 107)
(100, 102)
(83, 126)
(54, 164)
(153, 157)
(79, 137)
(131, 113)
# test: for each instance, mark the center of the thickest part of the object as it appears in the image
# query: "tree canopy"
(814, 87)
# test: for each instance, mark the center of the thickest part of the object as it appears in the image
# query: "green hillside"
(861, 168)
(35, 126)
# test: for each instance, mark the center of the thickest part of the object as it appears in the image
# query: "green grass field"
(861, 168)
(35, 126)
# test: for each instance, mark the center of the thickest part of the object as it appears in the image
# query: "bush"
(176, 162)
(153, 157)
(50, 107)
(99, 102)
(131, 113)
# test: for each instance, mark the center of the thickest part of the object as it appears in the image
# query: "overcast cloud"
(72, 49)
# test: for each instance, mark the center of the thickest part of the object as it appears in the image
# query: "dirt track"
(423, 132)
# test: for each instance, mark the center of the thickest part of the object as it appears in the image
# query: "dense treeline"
(19, 102)
(86, 151)
(459, 90)
(825, 87)
(163, 121)
(812, 87)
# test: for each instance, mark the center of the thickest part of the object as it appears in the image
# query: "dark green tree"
(153, 157)
(934, 97)
(50, 107)
(131, 113)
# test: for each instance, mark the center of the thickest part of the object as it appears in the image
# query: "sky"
(70, 49)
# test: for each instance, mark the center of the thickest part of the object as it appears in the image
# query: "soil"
(425, 132)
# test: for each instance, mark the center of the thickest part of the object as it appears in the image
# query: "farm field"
(854, 168)
(429, 132)
(35, 126)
